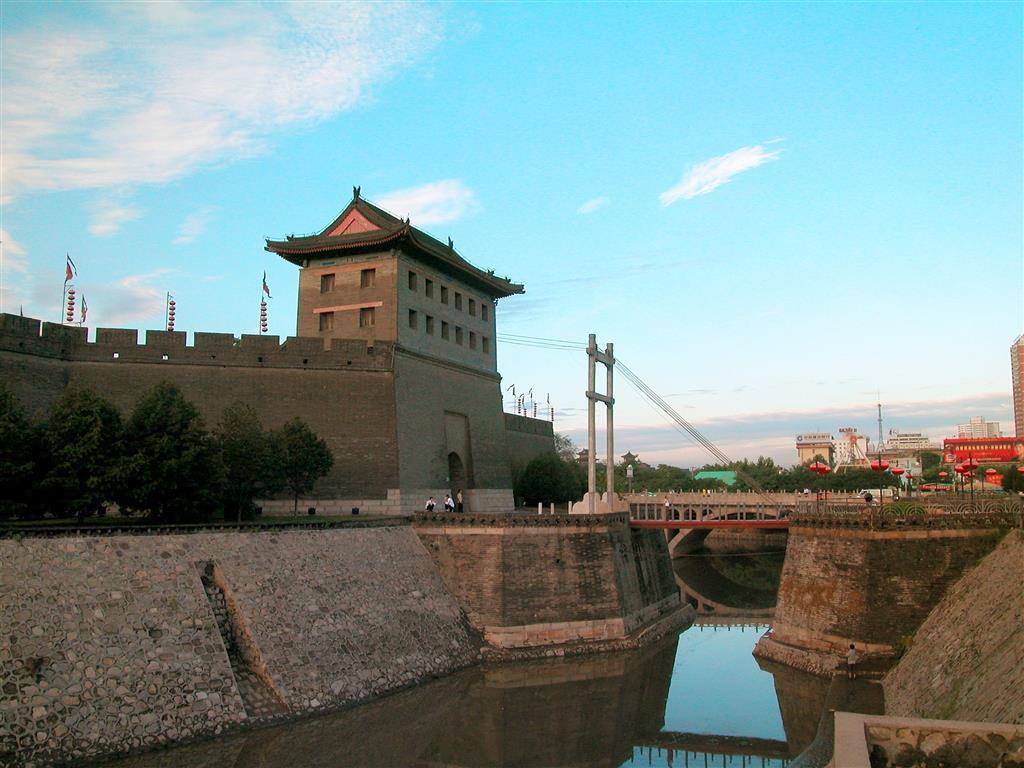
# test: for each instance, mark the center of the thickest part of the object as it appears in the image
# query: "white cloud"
(193, 225)
(131, 301)
(434, 203)
(149, 92)
(12, 254)
(109, 215)
(592, 205)
(709, 175)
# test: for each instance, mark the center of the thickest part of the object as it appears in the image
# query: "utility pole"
(607, 359)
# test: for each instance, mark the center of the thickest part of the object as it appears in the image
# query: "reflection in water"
(730, 583)
(699, 698)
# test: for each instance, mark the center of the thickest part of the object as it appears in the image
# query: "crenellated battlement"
(121, 345)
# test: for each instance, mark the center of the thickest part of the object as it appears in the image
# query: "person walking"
(458, 502)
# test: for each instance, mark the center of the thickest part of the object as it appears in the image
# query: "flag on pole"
(85, 308)
(266, 288)
(70, 270)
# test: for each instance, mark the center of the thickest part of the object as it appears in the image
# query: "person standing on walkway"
(852, 659)
(458, 502)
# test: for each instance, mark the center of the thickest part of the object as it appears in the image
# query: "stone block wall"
(965, 661)
(843, 585)
(539, 581)
(527, 438)
(111, 643)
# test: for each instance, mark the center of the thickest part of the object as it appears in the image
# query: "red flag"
(69, 269)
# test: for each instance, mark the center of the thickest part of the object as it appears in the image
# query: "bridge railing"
(928, 512)
(707, 511)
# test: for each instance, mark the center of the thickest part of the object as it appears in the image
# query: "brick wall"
(869, 587)
(526, 439)
(529, 580)
(111, 643)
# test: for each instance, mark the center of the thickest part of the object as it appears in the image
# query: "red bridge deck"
(762, 524)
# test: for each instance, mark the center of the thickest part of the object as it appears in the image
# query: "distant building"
(1017, 374)
(978, 429)
(909, 441)
(726, 476)
(851, 447)
(815, 444)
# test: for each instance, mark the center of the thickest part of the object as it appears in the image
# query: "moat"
(696, 698)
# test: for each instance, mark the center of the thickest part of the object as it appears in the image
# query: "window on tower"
(327, 283)
(327, 321)
(366, 317)
(367, 277)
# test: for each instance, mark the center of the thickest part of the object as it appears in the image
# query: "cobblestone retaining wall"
(965, 662)
(112, 643)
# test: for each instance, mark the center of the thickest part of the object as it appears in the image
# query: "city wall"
(115, 643)
(546, 585)
(848, 583)
(383, 412)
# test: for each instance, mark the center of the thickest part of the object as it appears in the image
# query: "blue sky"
(772, 210)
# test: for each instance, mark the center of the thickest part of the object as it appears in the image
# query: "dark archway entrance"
(456, 473)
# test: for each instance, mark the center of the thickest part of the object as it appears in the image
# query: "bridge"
(688, 518)
(697, 745)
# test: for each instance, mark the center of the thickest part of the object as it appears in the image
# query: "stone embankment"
(115, 643)
(868, 582)
(965, 661)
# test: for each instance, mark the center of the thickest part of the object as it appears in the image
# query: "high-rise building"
(978, 429)
(1017, 374)
(909, 441)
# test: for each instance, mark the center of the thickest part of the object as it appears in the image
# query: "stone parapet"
(121, 346)
(870, 741)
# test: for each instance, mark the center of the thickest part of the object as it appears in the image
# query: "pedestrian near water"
(458, 501)
(852, 659)
(429, 506)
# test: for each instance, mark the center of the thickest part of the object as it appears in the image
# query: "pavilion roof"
(363, 227)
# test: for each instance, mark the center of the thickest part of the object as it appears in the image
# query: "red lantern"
(943, 475)
(1021, 469)
(989, 472)
(819, 468)
(970, 464)
(959, 469)
(879, 465)
(897, 471)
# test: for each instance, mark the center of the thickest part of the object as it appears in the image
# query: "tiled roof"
(394, 231)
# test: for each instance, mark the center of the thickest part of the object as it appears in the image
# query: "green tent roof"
(726, 476)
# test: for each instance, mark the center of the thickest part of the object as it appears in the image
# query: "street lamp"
(879, 465)
(629, 476)
(821, 469)
(990, 474)
(969, 466)
(898, 471)
(910, 484)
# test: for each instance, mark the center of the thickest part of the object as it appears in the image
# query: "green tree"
(22, 458)
(170, 468)
(548, 478)
(83, 437)
(245, 449)
(300, 456)
(565, 447)
(1013, 480)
